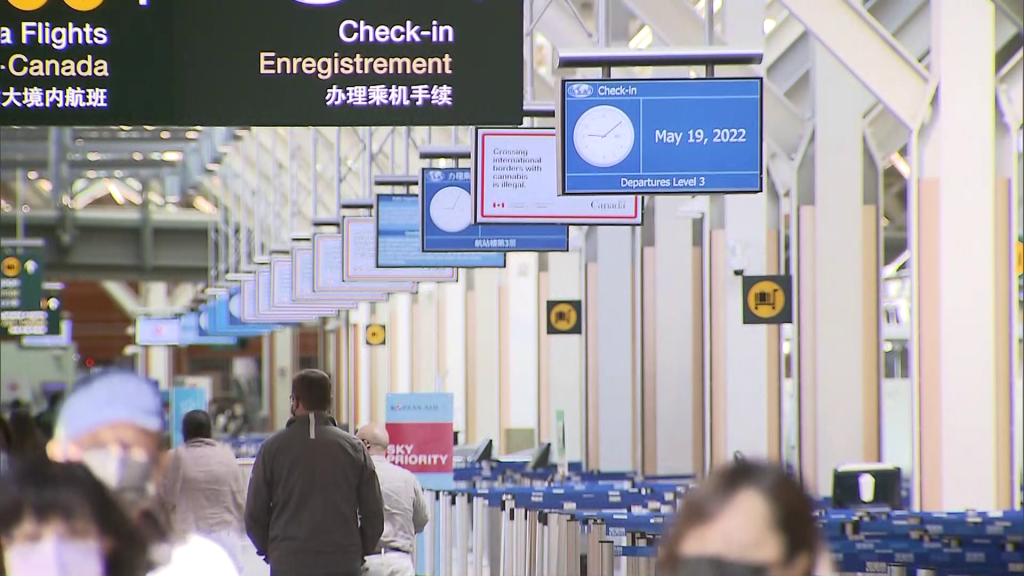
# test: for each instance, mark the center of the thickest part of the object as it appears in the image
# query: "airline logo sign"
(421, 447)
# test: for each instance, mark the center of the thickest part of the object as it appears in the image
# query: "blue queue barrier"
(610, 520)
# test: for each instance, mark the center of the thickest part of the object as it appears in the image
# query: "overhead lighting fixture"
(769, 25)
(165, 135)
(32, 174)
(192, 134)
(93, 156)
(90, 174)
(643, 38)
(137, 156)
(125, 128)
(172, 156)
(212, 166)
(203, 205)
(45, 185)
(149, 127)
(114, 192)
(699, 6)
(900, 164)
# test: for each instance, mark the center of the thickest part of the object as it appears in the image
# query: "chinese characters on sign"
(35, 97)
(383, 95)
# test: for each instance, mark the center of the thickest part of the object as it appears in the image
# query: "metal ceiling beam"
(82, 166)
(678, 24)
(870, 53)
(15, 148)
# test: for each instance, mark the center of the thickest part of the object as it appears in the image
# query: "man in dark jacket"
(314, 506)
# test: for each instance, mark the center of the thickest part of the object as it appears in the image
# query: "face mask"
(121, 472)
(55, 557)
(717, 567)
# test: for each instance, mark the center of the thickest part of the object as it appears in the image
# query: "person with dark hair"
(112, 422)
(749, 518)
(58, 520)
(201, 489)
(47, 419)
(27, 442)
(5, 446)
(314, 505)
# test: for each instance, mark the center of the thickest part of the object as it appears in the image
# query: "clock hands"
(613, 129)
(602, 136)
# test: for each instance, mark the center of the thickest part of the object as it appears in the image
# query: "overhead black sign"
(261, 62)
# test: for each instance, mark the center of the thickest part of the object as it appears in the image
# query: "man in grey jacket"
(314, 506)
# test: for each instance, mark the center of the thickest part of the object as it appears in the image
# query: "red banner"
(421, 447)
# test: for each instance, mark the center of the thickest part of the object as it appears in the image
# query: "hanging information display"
(261, 62)
(360, 262)
(446, 223)
(265, 310)
(398, 238)
(302, 283)
(515, 181)
(653, 136)
(23, 310)
(328, 269)
(281, 291)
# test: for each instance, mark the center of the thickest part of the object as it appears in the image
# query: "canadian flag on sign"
(499, 205)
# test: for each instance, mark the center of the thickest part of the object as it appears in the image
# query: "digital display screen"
(446, 208)
(157, 331)
(654, 136)
(398, 239)
(261, 62)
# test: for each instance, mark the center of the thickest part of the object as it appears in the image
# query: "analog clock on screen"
(603, 136)
(451, 209)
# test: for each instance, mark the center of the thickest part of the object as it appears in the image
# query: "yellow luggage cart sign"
(376, 334)
(767, 300)
(564, 317)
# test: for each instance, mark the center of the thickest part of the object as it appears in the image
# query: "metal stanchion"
(545, 526)
(447, 539)
(551, 545)
(519, 540)
(598, 532)
(606, 551)
(499, 529)
(536, 543)
(897, 571)
(573, 549)
(632, 561)
(507, 538)
(430, 534)
(479, 533)
(462, 534)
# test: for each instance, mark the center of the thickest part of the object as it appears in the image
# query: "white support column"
(284, 362)
(522, 331)
(362, 386)
(380, 365)
(400, 341)
(424, 354)
(158, 358)
(615, 381)
(454, 297)
(565, 355)
(746, 354)
(845, 266)
(963, 238)
(482, 410)
(677, 445)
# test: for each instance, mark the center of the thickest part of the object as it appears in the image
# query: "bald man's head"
(375, 437)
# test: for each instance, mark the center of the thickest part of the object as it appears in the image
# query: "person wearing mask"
(314, 506)
(5, 446)
(405, 509)
(201, 489)
(748, 519)
(27, 442)
(58, 520)
(112, 422)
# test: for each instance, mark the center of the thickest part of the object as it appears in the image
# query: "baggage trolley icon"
(765, 298)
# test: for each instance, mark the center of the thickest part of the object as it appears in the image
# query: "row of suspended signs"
(365, 62)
